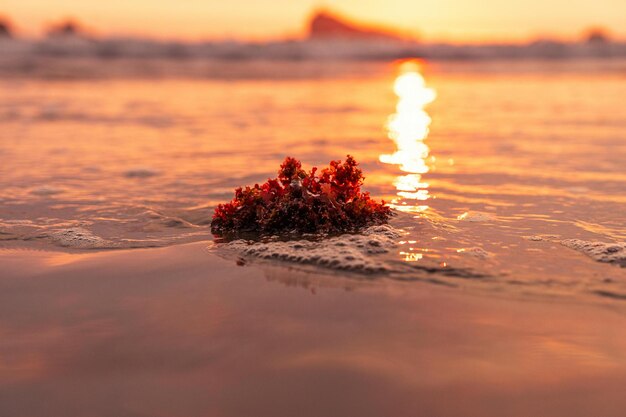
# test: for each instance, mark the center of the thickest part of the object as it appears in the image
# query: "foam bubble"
(476, 252)
(599, 251)
(540, 238)
(475, 216)
(46, 190)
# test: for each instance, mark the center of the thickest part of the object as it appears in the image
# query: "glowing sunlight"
(408, 128)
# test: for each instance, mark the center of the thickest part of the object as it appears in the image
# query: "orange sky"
(453, 20)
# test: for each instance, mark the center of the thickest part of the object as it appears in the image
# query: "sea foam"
(79, 238)
(475, 216)
(351, 252)
(599, 251)
(46, 190)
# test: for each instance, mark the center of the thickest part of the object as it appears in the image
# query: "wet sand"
(179, 331)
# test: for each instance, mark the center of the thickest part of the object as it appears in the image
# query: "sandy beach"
(182, 332)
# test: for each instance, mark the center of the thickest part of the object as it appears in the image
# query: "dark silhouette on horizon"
(327, 25)
(66, 29)
(597, 36)
(5, 29)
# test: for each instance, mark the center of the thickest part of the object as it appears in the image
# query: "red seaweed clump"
(330, 201)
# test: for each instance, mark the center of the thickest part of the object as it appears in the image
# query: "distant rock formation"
(597, 36)
(326, 25)
(66, 29)
(5, 29)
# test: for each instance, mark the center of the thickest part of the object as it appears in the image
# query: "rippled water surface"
(505, 175)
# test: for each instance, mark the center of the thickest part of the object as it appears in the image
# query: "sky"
(446, 20)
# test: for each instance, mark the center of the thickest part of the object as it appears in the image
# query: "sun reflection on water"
(408, 127)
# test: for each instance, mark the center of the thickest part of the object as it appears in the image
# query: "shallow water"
(498, 288)
(520, 157)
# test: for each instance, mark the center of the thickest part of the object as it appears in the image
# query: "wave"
(350, 49)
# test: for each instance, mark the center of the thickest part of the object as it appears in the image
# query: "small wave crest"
(355, 49)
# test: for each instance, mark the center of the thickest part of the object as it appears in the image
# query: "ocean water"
(507, 176)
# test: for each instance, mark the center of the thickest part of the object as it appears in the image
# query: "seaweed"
(330, 201)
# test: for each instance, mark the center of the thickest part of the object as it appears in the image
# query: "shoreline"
(512, 289)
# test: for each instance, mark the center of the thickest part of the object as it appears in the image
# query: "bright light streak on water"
(408, 127)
